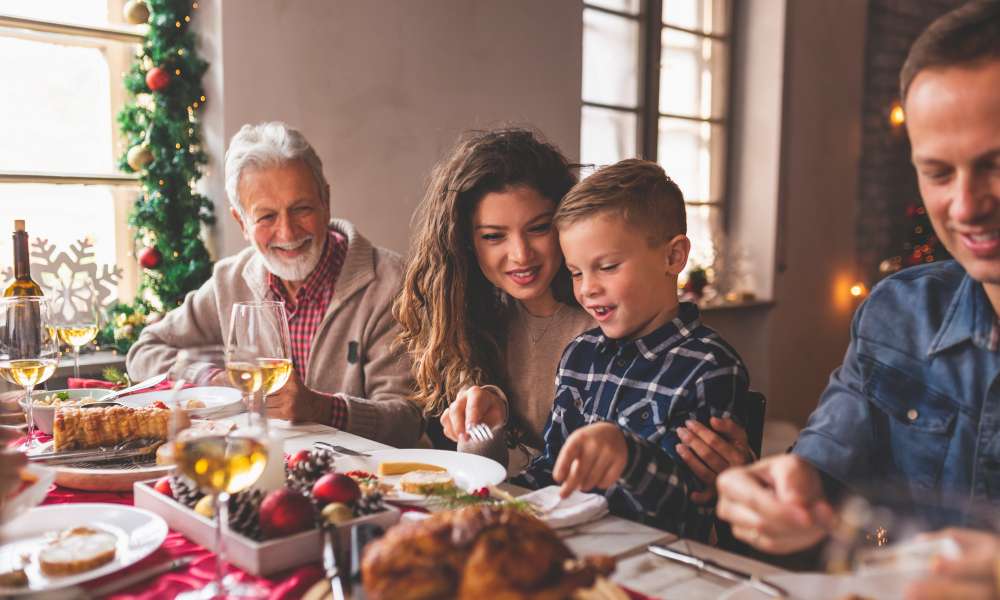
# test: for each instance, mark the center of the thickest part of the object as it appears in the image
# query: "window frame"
(116, 42)
(648, 115)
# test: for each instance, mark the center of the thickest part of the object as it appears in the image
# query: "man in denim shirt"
(913, 408)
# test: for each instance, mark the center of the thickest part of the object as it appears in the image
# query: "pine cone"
(306, 471)
(185, 491)
(244, 513)
(369, 504)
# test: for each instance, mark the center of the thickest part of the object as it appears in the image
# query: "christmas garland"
(160, 125)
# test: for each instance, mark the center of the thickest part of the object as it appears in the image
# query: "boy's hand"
(593, 457)
(473, 405)
(708, 453)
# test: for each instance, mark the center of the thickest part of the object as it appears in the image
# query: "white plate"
(217, 399)
(30, 496)
(888, 584)
(139, 533)
(470, 471)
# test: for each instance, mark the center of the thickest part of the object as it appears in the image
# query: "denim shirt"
(915, 407)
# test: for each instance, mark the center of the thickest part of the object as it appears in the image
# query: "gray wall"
(382, 89)
(792, 347)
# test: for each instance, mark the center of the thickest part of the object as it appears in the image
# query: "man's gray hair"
(269, 145)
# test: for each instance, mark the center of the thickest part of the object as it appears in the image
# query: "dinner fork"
(480, 432)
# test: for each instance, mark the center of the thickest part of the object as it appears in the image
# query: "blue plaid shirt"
(649, 387)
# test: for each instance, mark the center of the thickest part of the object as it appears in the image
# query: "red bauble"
(150, 257)
(157, 78)
(162, 485)
(297, 458)
(284, 512)
(336, 487)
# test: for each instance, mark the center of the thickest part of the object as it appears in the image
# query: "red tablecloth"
(290, 584)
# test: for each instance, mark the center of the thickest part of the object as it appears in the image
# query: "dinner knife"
(330, 562)
(710, 566)
(99, 455)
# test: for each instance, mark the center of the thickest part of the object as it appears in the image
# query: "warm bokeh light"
(896, 116)
(858, 290)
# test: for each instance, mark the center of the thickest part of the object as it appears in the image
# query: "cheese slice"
(399, 468)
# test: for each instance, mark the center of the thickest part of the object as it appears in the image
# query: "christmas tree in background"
(160, 126)
(922, 244)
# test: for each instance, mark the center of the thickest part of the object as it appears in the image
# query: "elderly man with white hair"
(337, 288)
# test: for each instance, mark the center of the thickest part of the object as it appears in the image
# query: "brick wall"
(887, 183)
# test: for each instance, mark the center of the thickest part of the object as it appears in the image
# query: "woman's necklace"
(548, 323)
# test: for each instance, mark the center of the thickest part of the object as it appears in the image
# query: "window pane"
(610, 59)
(606, 136)
(81, 12)
(703, 224)
(692, 155)
(61, 214)
(58, 114)
(710, 16)
(693, 75)
(626, 6)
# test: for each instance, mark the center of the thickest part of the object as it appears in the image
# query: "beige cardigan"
(376, 385)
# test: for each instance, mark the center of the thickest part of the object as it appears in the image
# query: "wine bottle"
(22, 285)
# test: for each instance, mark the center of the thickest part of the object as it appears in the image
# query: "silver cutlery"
(131, 449)
(145, 383)
(330, 562)
(709, 566)
(480, 432)
(139, 576)
(342, 449)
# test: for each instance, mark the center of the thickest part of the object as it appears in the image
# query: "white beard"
(295, 270)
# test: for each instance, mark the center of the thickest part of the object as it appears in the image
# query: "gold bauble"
(336, 513)
(138, 156)
(135, 12)
(204, 508)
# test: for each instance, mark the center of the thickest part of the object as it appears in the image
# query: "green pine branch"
(168, 210)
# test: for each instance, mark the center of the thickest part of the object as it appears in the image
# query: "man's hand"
(776, 505)
(708, 453)
(296, 402)
(593, 457)
(11, 462)
(472, 406)
(975, 574)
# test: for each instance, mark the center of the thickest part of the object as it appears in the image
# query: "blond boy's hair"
(637, 190)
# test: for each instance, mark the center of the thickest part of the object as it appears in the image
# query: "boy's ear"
(677, 251)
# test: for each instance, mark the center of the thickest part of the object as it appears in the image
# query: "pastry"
(426, 482)
(78, 428)
(77, 550)
(14, 578)
(400, 468)
(474, 553)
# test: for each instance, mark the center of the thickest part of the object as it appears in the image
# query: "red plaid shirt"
(306, 310)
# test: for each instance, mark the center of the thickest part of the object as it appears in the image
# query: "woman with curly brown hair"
(487, 304)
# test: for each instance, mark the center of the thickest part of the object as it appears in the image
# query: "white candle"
(273, 476)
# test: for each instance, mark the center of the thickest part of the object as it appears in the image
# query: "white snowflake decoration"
(72, 281)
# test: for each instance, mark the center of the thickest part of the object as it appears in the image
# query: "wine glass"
(29, 351)
(258, 331)
(219, 462)
(77, 320)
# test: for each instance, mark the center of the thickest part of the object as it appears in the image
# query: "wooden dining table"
(637, 569)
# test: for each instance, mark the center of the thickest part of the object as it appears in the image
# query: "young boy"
(626, 388)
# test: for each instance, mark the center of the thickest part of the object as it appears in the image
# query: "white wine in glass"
(275, 373)
(29, 351)
(77, 321)
(219, 464)
(259, 331)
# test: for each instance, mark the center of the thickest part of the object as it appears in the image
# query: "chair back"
(756, 408)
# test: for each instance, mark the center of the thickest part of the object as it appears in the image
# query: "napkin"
(577, 509)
